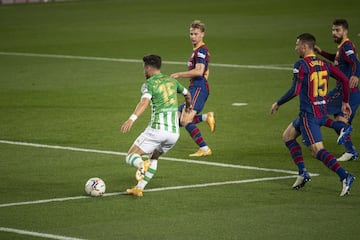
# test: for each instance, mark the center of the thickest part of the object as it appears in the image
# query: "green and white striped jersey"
(162, 90)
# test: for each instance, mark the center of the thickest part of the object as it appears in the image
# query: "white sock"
(149, 174)
(135, 160)
(204, 117)
(205, 148)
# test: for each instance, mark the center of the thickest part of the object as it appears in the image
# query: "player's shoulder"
(299, 63)
(348, 45)
(348, 42)
(203, 49)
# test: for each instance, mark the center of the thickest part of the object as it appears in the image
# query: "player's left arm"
(329, 56)
(338, 75)
(352, 59)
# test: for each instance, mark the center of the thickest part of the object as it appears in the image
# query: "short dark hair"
(152, 60)
(341, 22)
(308, 38)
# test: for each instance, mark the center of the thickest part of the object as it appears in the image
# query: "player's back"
(164, 92)
(314, 74)
(164, 101)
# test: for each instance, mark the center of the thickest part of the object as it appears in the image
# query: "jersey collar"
(310, 55)
(343, 41)
(199, 45)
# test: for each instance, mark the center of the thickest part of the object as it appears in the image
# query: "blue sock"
(349, 147)
(330, 161)
(296, 154)
(195, 133)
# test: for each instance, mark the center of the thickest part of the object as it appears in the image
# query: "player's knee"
(315, 148)
(290, 133)
(286, 136)
(314, 153)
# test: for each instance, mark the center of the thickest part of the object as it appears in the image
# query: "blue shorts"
(310, 128)
(198, 99)
(335, 103)
(296, 124)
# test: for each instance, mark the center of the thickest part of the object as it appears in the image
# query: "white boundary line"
(37, 234)
(163, 158)
(139, 61)
(293, 173)
(151, 190)
(59, 237)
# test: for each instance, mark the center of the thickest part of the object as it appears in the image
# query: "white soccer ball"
(95, 187)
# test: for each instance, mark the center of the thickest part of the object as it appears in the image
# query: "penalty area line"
(202, 185)
(37, 234)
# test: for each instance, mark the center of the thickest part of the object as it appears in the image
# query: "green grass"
(82, 103)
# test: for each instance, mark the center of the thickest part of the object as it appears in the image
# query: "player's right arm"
(325, 54)
(196, 72)
(199, 69)
(293, 91)
(186, 93)
(140, 107)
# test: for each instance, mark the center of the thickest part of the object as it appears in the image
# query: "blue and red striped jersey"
(346, 59)
(310, 81)
(200, 55)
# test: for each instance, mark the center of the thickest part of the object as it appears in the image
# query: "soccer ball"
(95, 187)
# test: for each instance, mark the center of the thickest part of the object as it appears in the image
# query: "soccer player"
(347, 61)
(160, 136)
(310, 82)
(198, 73)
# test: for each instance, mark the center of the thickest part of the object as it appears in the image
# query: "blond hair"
(198, 24)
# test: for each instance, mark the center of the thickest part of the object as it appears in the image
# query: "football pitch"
(70, 75)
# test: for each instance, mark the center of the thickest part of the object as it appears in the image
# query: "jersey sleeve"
(298, 76)
(351, 57)
(202, 55)
(328, 56)
(338, 75)
(146, 91)
(180, 88)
